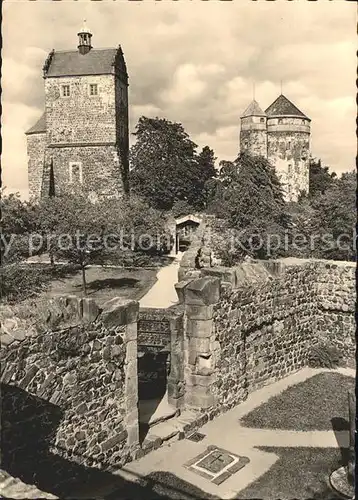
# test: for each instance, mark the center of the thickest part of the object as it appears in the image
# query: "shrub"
(19, 282)
(324, 355)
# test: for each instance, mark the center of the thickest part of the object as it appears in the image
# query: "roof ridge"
(282, 106)
(93, 48)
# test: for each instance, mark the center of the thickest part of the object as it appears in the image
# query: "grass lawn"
(318, 403)
(106, 283)
(299, 473)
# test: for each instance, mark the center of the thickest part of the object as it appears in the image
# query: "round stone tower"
(288, 146)
(253, 133)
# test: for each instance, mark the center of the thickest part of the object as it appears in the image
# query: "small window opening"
(93, 89)
(65, 90)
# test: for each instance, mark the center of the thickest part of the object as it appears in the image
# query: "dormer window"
(65, 91)
(93, 89)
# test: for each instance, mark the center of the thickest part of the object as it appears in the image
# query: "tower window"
(93, 88)
(280, 121)
(65, 91)
(75, 173)
(304, 122)
(262, 120)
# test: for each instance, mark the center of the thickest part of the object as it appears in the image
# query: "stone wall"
(254, 324)
(288, 150)
(336, 298)
(36, 145)
(86, 375)
(101, 168)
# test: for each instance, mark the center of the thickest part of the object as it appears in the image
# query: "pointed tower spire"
(84, 39)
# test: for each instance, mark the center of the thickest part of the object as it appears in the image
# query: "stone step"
(153, 412)
(165, 430)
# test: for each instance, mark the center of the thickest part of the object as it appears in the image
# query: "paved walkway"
(225, 431)
(163, 294)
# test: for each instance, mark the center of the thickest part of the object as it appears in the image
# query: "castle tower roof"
(284, 107)
(39, 127)
(253, 110)
(72, 62)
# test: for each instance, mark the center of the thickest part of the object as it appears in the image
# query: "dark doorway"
(153, 369)
(152, 374)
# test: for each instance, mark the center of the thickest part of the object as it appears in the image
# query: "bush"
(21, 281)
(324, 355)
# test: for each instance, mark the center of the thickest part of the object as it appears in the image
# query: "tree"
(252, 203)
(207, 173)
(320, 179)
(78, 228)
(18, 221)
(335, 213)
(164, 164)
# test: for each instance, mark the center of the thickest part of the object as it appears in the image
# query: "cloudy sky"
(193, 62)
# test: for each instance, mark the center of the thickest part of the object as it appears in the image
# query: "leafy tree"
(182, 207)
(252, 203)
(320, 179)
(335, 213)
(76, 229)
(165, 166)
(18, 221)
(207, 173)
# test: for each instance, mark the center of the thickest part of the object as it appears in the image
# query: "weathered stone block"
(133, 434)
(90, 310)
(225, 274)
(199, 345)
(200, 328)
(199, 400)
(202, 291)
(200, 380)
(131, 351)
(117, 312)
(179, 288)
(131, 332)
(199, 312)
(113, 441)
(73, 306)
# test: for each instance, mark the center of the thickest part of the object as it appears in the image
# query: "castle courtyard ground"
(283, 464)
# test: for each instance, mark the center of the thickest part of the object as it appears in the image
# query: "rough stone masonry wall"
(87, 371)
(336, 297)
(36, 145)
(254, 324)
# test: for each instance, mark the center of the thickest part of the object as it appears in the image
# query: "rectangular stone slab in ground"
(216, 464)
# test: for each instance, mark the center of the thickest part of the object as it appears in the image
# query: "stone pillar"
(200, 346)
(352, 425)
(176, 376)
(118, 313)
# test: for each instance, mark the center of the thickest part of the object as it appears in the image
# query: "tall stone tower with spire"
(81, 140)
(253, 132)
(282, 135)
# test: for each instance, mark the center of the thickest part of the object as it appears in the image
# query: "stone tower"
(288, 146)
(82, 139)
(282, 135)
(253, 131)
